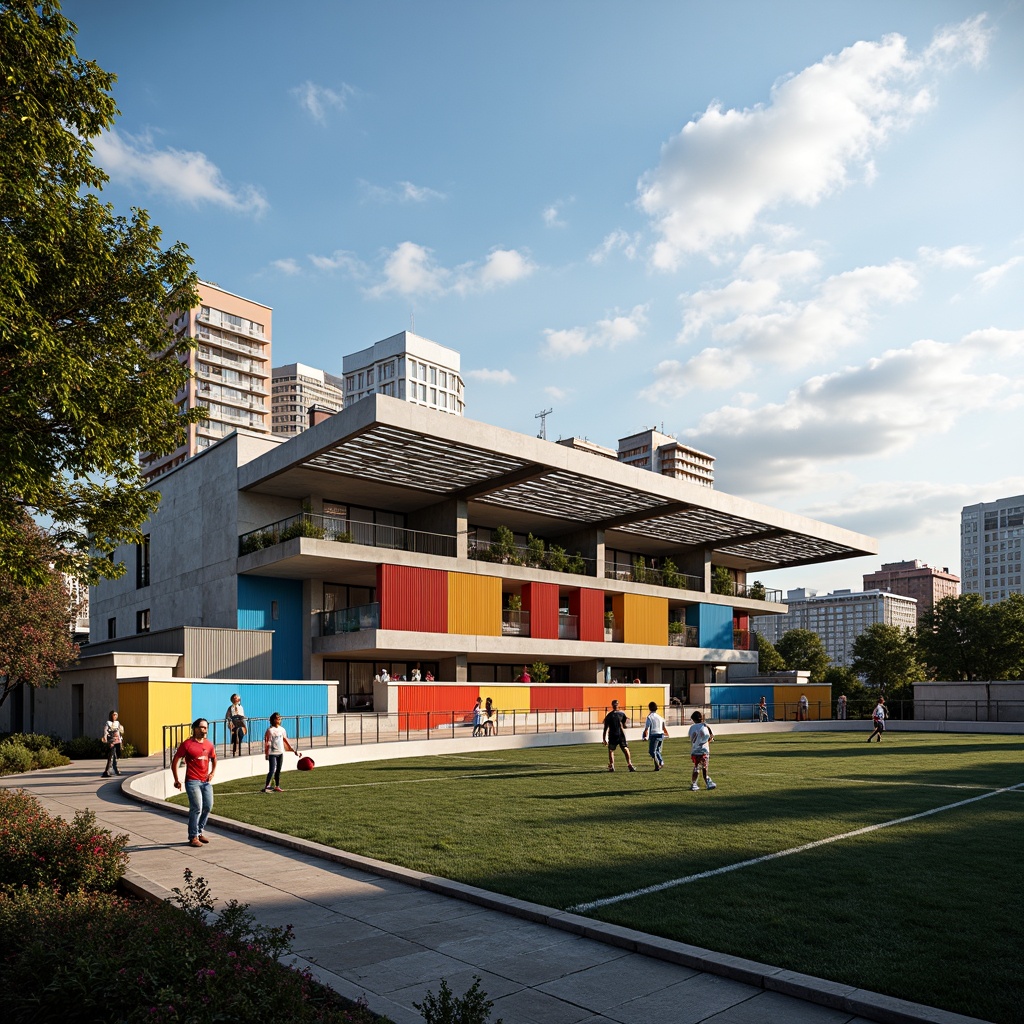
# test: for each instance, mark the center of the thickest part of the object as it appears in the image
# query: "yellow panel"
(153, 705)
(133, 713)
(474, 604)
(507, 698)
(641, 696)
(788, 697)
(645, 620)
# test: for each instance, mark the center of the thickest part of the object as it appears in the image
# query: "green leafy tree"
(958, 639)
(769, 661)
(887, 656)
(35, 618)
(721, 581)
(803, 650)
(89, 367)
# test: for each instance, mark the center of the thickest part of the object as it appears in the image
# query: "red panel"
(588, 606)
(740, 620)
(413, 599)
(541, 601)
(552, 698)
(414, 701)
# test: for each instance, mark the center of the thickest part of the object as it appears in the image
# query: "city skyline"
(791, 237)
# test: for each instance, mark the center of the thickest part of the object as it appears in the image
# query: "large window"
(142, 562)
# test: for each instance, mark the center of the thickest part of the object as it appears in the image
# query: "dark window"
(142, 562)
(111, 629)
(142, 621)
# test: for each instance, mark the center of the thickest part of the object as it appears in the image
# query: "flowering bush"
(37, 849)
(88, 957)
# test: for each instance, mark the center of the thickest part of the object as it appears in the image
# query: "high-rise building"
(990, 546)
(923, 582)
(408, 367)
(667, 455)
(838, 618)
(231, 372)
(296, 388)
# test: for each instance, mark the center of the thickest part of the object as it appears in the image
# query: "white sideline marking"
(647, 890)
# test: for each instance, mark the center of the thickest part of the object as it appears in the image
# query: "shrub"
(675, 626)
(14, 758)
(639, 570)
(721, 581)
(539, 672)
(757, 591)
(577, 564)
(670, 574)
(534, 551)
(33, 740)
(83, 748)
(557, 559)
(446, 1008)
(49, 757)
(39, 850)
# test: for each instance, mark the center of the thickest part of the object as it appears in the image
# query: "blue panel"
(260, 700)
(257, 597)
(714, 625)
(739, 703)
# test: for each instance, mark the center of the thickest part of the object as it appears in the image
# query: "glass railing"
(568, 627)
(350, 620)
(515, 622)
(687, 636)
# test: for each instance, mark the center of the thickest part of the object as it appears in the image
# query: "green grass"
(930, 910)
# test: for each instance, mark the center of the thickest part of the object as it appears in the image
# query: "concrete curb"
(834, 995)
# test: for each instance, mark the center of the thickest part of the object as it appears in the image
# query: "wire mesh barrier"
(309, 732)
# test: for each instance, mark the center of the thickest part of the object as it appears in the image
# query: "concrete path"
(375, 931)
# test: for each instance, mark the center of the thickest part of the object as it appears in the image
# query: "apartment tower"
(667, 455)
(990, 546)
(297, 390)
(915, 579)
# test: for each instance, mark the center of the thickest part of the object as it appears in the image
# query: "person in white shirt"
(234, 717)
(113, 736)
(878, 718)
(655, 732)
(701, 737)
(275, 743)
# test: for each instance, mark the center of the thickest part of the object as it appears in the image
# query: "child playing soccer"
(656, 732)
(701, 737)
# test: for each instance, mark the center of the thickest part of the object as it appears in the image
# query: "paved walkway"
(373, 930)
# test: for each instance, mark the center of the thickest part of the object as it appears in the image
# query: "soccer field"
(893, 866)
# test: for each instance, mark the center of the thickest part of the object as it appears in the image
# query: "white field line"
(661, 886)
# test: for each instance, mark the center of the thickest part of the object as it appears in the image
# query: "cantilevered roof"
(409, 457)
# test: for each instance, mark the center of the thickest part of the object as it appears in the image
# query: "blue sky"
(790, 233)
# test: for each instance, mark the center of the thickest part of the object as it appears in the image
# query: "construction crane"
(543, 417)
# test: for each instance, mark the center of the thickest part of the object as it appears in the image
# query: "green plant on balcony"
(756, 591)
(503, 547)
(345, 537)
(577, 564)
(609, 620)
(557, 560)
(721, 581)
(534, 551)
(303, 527)
(539, 672)
(256, 541)
(515, 603)
(670, 575)
(639, 570)
(675, 626)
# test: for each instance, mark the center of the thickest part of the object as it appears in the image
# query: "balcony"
(515, 622)
(555, 559)
(741, 639)
(568, 627)
(350, 620)
(751, 591)
(639, 573)
(683, 636)
(347, 531)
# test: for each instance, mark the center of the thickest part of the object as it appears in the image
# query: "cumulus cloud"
(319, 100)
(552, 215)
(991, 277)
(340, 260)
(821, 127)
(287, 266)
(607, 333)
(492, 376)
(877, 409)
(617, 241)
(953, 257)
(402, 192)
(186, 175)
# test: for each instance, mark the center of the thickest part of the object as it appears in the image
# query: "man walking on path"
(615, 735)
(200, 757)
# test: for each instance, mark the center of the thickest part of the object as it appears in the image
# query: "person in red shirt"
(200, 757)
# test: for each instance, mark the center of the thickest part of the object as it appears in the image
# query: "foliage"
(534, 550)
(639, 570)
(89, 366)
(844, 680)
(37, 849)
(73, 958)
(576, 564)
(26, 752)
(609, 620)
(35, 616)
(515, 602)
(256, 541)
(670, 575)
(675, 626)
(446, 1008)
(963, 638)
(757, 591)
(721, 581)
(85, 748)
(803, 650)
(303, 526)
(769, 661)
(557, 560)
(887, 656)
(539, 672)
(503, 547)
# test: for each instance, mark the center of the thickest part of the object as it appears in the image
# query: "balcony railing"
(688, 636)
(350, 620)
(654, 577)
(515, 622)
(347, 531)
(741, 639)
(568, 627)
(751, 591)
(554, 559)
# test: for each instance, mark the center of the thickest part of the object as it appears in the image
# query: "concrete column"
(453, 669)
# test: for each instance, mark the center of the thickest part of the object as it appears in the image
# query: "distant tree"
(89, 367)
(803, 650)
(887, 656)
(769, 661)
(843, 680)
(35, 618)
(959, 639)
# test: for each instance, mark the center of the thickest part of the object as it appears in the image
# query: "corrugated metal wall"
(588, 606)
(146, 707)
(506, 698)
(641, 696)
(549, 698)
(819, 698)
(601, 697)
(261, 700)
(412, 599)
(259, 599)
(229, 654)
(416, 701)
(714, 625)
(541, 601)
(474, 604)
(645, 620)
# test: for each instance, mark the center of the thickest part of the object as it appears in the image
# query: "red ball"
(305, 764)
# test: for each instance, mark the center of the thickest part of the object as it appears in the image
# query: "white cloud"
(287, 266)
(878, 409)
(607, 333)
(991, 277)
(552, 215)
(951, 258)
(557, 393)
(410, 269)
(318, 100)
(340, 259)
(402, 192)
(821, 127)
(492, 376)
(182, 174)
(617, 241)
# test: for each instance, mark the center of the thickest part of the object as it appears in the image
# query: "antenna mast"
(543, 417)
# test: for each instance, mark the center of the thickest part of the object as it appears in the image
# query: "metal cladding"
(412, 599)
(474, 604)
(541, 601)
(588, 606)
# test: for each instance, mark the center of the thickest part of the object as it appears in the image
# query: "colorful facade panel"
(412, 599)
(146, 707)
(474, 604)
(541, 601)
(588, 607)
(714, 625)
(644, 619)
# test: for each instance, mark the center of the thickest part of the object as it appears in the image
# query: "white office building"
(990, 544)
(667, 455)
(838, 618)
(296, 388)
(408, 367)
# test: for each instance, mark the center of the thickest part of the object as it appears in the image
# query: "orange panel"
(474, 604)
(441, 701)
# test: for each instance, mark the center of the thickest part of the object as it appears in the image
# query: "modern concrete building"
(231, 368)
(296, 389)
(990, 548)
(667, 455)
(407, 367)
(914, 579)
(386, 536)
(838, 618)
